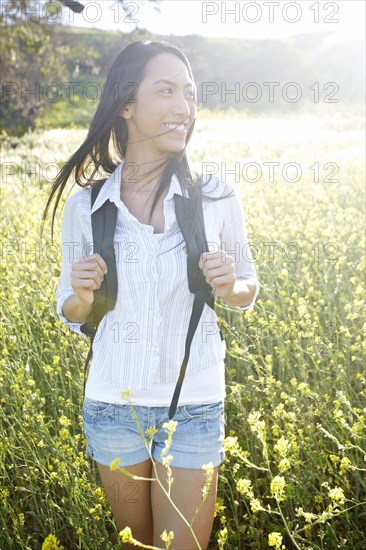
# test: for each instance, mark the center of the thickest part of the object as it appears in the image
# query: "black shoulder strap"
(189, 213)
(103, 223)
(190, 219)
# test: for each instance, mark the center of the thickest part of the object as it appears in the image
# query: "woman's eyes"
(190, 93)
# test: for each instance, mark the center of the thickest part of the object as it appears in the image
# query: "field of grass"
(294, 473)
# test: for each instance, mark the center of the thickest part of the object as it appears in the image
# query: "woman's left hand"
(219, 270)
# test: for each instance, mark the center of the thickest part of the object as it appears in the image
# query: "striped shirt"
(141, 342)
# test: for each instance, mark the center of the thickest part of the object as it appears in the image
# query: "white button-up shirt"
(141, 342)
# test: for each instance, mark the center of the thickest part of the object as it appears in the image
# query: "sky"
(235, 19)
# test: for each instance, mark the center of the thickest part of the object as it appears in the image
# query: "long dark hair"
(127, 69)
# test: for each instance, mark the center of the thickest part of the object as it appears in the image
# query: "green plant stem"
(287, 528)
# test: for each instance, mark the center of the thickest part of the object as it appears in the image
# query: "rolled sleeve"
(235, 242)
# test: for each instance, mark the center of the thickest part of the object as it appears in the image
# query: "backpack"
(103, 223)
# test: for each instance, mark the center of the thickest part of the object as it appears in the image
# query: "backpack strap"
(189, 214)
(103, 223)
(186, 210)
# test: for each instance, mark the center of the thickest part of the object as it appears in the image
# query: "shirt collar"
(111, 189)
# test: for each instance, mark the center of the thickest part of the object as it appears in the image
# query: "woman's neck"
(141, 174)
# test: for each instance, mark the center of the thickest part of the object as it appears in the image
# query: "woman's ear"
(126, 112)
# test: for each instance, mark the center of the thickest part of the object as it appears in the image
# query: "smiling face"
(165, 108)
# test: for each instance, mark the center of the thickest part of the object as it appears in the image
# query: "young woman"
(138, 136)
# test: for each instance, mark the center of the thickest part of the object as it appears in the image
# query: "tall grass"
(294, 473)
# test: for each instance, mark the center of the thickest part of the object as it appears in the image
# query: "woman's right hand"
(86, 276)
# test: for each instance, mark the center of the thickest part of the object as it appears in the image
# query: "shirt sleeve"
(235, 242)
(73, 243)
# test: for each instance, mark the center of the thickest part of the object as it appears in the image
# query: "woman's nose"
(182, 107)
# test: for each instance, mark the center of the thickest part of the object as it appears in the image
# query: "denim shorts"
(111, 432)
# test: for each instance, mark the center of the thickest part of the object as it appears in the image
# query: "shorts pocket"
(205, 411)
(93, 409)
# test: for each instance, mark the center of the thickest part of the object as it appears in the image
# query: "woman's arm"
(244, 292)
(74, 310)
(231, 271)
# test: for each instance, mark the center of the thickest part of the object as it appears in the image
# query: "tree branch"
(73, 5)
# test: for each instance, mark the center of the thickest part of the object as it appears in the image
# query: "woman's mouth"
(176, 128)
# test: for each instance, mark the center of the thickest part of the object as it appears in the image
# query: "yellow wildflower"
(284, 464)
(114, 465)
(308, 516)
(255, 505)
(244, 486)
(282, 446)
(256, 425)
(209, 469)
(275, 539)
(126, 535)
(222, 538)
(4, 493)
(219, 507)
(64, 434)
(52, 543)
(21, 518)
(170, 426)
(337, 496)
(64, 421)
(125, 394)
(345, 465)
(231, 444)
(151, 431)
(166, 460)
(277, 487)
(167, 538)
